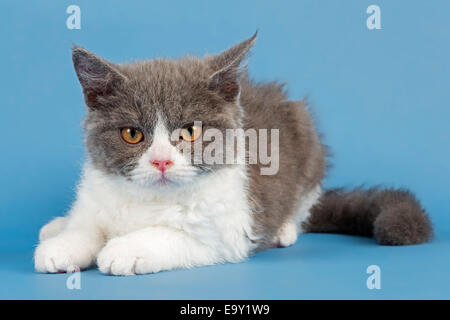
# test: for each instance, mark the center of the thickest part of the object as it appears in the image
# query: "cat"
(143, 206)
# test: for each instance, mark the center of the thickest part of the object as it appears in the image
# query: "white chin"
(159, 183)
(163, 182)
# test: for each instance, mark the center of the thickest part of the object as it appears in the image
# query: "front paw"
(61, 254)
(125, 257)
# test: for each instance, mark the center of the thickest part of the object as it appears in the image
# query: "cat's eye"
(190, 133)
(131, 135)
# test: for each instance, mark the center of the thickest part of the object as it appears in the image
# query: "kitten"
(144, 206)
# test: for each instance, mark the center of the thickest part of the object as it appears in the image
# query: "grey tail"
(392, 217)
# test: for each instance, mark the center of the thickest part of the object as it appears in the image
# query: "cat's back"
(266, 106)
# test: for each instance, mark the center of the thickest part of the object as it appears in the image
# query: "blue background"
(381, 99)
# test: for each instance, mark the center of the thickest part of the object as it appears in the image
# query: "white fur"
(305, 204)
(52, 228)
(287, 234)
(131, 227)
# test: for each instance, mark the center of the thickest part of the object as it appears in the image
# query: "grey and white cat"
(144, 206)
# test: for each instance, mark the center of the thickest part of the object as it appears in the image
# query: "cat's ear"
(226, 66)
(99, 78)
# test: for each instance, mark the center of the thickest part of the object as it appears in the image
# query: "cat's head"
(143, 116)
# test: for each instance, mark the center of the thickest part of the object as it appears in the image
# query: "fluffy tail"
(392, 217)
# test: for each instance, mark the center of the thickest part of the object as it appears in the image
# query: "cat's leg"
(74, 247)
(288, 232)
(287, 235)
(52, 228)
(154, 249)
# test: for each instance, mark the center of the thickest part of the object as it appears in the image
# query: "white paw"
(287, 235)
(125, 257)
(52, 228)
(61, 254)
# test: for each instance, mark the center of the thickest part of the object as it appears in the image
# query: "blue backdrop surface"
(381, 99)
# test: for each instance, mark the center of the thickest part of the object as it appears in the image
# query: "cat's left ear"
(98, 77)
(226, 66)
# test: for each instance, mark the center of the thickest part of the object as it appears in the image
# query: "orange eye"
(131, 135)
(191, 133)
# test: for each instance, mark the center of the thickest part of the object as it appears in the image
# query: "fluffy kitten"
(144, 206)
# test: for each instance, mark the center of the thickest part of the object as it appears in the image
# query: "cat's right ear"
(98, 77)
(225, 79)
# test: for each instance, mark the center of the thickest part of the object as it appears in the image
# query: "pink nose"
(161, 165)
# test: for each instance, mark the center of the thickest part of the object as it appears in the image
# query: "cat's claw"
(61, 254)
(50, 258)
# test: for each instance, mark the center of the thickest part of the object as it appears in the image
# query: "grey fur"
(193, 89)
(392, 217)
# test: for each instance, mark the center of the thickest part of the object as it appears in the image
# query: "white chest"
(215, 211)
